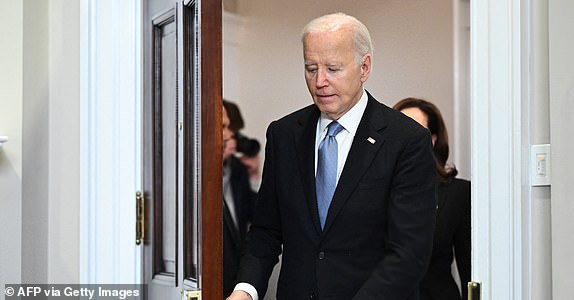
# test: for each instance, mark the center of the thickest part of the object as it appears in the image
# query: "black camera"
(247, 146)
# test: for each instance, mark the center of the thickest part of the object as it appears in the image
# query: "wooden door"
(182, 149)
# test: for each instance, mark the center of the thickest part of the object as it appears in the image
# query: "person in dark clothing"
(452, 231)
(245, 148)
(238, 199)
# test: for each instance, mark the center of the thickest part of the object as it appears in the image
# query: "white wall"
(561, 83)
(35, 135)
(536, 208)
(11, 153)
(50, 170)
(64, 147)
(413, 56)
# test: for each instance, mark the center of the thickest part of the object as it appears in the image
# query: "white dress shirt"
(350, 122)
(228, 193)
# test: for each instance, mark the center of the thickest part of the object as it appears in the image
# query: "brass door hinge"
(140, 218)
(192, 295)
(474, 290)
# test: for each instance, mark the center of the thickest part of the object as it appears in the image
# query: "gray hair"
(336, 21)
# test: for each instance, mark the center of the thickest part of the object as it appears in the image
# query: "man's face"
(333, 75)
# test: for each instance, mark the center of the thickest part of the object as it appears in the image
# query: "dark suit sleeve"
(411, 219)
(263, 243)
(462, 238)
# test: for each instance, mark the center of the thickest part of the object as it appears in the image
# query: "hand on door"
(239, 295)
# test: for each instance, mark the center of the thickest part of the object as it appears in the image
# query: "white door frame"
(498, 148)
(110, 148)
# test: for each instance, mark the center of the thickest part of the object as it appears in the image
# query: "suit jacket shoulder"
(302, 116)
(396, 124)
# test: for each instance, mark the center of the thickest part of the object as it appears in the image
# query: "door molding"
(110, 140)
(498, 148)
(460, 148)
(211, 148)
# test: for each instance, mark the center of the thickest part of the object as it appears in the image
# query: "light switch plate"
(540, 165)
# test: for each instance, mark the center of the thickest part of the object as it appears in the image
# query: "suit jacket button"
(312, 296)
(321, 255)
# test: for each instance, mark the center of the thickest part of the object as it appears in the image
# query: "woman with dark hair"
(452, 232)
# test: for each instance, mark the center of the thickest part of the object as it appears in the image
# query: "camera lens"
(246, 146)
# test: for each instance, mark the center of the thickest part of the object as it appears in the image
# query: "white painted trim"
(496, 147)
(110, 140)
(460, 137)
(527, 203)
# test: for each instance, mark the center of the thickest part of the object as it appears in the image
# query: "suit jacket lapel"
(305, 147)
(367, 142)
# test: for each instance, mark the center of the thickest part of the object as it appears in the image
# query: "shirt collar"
(350, 120)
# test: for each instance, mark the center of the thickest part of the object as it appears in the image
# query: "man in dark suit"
(348, 194)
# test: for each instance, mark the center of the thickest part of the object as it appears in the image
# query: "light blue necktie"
(326, 178)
